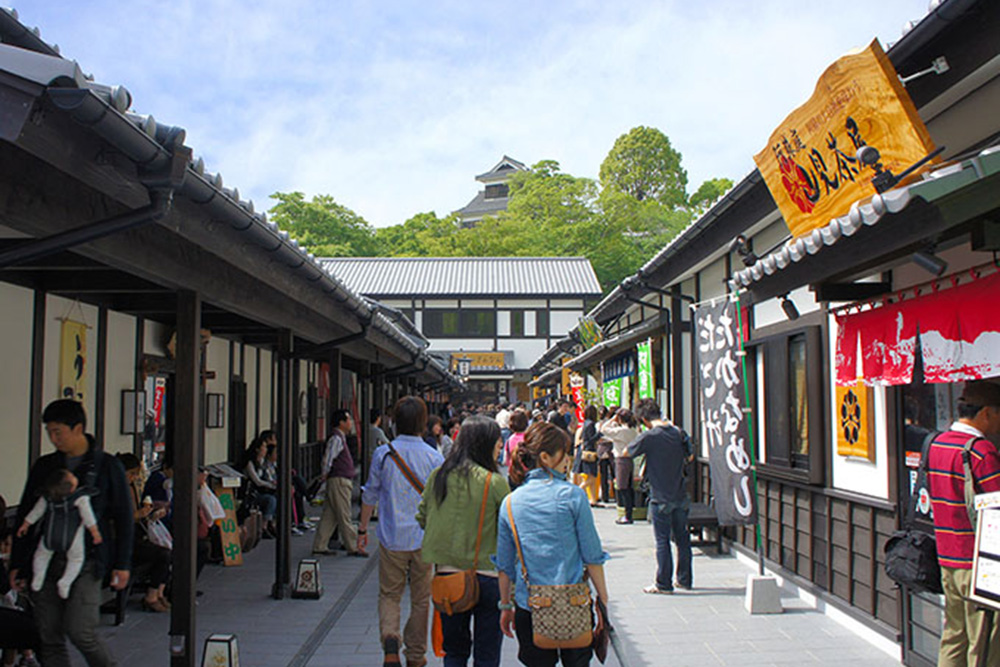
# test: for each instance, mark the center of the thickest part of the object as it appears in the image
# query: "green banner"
(613, 392)
(647, 387)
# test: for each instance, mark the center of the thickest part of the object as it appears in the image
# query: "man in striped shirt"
(978, 418)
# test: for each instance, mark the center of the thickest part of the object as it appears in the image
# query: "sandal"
(653, 589)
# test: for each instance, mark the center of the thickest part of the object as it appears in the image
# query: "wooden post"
(364, 407)
(187, 430)
(286, 433)
(37, 378)
(336, 375)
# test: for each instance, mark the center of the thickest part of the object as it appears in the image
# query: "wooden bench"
(700, 518)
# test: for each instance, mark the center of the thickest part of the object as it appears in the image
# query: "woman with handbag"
(458, 512)
(548, 546)
(146, 553)
(585, 463)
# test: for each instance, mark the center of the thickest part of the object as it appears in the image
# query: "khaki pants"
(961, 643)
(337, 512)
(393, 568)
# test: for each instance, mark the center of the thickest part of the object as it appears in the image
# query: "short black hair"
(373, 415)
(647, 410)
(339, 416)
(65, 411)
(968, 410)
(58, 484)
(410, 415)
(129, 460)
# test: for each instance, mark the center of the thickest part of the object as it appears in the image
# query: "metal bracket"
(938, 66)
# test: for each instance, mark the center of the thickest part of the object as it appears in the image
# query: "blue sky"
(392, 107)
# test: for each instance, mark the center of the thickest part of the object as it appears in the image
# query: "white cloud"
(393, 107)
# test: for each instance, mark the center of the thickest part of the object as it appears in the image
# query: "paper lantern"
(221, 651)
(307, 583)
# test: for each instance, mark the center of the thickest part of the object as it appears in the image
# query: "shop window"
(517, 323)
(463, 323)
(793, 377)
(542, 323)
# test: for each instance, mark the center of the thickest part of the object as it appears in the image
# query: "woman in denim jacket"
(558, 538)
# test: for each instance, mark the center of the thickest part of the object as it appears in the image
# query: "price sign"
(232, 551)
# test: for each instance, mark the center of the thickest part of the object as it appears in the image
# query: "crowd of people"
(482, 511)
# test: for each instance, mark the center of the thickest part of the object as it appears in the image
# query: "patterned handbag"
(560, 614)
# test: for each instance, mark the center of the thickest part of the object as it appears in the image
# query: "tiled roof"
(466, 276)
(481, 206)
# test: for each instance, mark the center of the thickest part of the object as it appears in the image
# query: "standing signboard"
(986, 557)
(232, 552)
(647, 384)
(723, 421)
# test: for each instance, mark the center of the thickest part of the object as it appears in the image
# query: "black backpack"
(911, 554)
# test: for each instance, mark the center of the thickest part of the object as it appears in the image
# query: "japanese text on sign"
(723, 421)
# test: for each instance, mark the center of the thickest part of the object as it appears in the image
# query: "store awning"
(956, 328)
(883, 226)
(549, 379)
(609, 348)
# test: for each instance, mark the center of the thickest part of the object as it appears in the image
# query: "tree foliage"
(643, 165)
(708, 193)
(324, 227)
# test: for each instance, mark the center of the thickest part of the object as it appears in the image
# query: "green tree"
(708, 193)
(322, 226)
(643, 165)
(423, 235)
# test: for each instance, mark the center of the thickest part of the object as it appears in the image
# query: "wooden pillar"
(336, 375)
(187, 431)
(286, 434)
(100, 377)
(364, 407)
(677, 366)
(139, 381)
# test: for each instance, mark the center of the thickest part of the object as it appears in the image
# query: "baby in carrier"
(66, 511)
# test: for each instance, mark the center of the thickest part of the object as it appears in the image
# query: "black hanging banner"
(724, 423)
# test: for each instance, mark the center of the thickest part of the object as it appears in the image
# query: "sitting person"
(66, 511)
(259, 491)
(144, 552)
(18, 634)
(159, 487)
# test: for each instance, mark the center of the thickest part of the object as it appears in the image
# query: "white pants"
(74, 563)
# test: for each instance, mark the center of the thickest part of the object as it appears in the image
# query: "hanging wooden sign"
(855, 421)
(73, 360)
(810, 164)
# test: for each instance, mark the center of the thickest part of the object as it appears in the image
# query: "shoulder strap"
(922, 477)
(970, 480)
(482, 516)
(517, 541)
(405, 469)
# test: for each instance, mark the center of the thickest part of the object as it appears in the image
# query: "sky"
(393, 107)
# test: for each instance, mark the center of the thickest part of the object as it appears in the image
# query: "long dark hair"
(474, 446)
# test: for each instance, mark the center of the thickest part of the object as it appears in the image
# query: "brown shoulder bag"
(560, 614)
(458, 592)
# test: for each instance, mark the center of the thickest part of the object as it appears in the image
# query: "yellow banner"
(73, 360)
(810, 164)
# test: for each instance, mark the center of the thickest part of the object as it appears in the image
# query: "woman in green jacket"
(449, 513)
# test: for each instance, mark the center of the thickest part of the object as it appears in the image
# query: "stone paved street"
(707, 626)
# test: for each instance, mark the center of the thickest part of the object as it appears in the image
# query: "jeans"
(532, 656)
(672, 519)
(606, 468)
(76, 618)
(268, 504)
(483, 644)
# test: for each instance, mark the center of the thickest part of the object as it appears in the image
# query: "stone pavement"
(707, 626)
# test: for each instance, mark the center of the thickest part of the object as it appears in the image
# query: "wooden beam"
(850, 291)
(187, 430)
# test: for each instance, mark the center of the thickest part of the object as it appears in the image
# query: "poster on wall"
(73, 360)
(855, 421)
(724, 424)
(647, 384)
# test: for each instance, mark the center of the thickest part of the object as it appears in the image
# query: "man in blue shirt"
(667, 449)
(398, 473)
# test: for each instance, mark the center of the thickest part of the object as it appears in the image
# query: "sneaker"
(683, 587)
(653, 589)
(391, 648)
(622, 521)
(296, 531)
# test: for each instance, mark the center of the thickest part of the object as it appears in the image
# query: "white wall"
(266, 420)
(566, 303)
(562, 321)
(769, 312)
(217, 359)
(853, 473)
(529, 324)
(526, 350)
(521, 303)
(443, 303)
(477, 303)
(471, 344)
(503, 322)
(712, 280)
(119, 376)
(17, 306)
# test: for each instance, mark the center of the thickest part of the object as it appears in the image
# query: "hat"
(982, 393)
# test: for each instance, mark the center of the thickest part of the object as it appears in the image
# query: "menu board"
(986, 557)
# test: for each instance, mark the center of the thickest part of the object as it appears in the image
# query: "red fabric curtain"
(959, 337)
